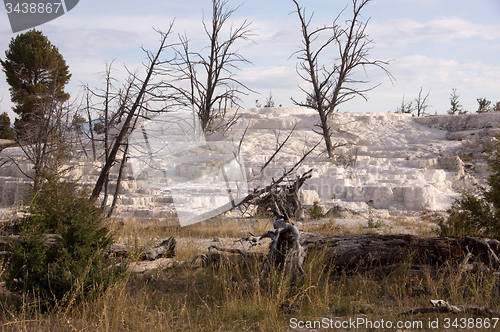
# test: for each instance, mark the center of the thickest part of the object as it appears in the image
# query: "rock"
(308, 197)
(342, 212)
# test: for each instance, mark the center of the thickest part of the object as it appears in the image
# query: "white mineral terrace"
(400, 162)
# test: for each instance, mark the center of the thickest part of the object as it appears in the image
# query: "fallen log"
(289, 248)
(155, 265)
(165, 249)
(159, 256)
(350, 250)
(440, 306)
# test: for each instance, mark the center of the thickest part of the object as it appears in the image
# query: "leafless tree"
(140, 92)
(210, 84)
(405, 108)
(334, 83)
(47, 141)
(421, 102)
(108, 104)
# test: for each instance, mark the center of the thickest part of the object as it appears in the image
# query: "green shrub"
(471, 215)
(477, 213)
(72, 268)
(316, 211)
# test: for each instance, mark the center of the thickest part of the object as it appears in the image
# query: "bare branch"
(210, 85)
(333, 84)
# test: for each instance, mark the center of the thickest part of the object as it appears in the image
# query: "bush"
(72, 268)
(471, 215)
(316, 211)
(477, 213)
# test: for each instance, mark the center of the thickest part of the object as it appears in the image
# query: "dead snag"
(285, 249)
(281, 197)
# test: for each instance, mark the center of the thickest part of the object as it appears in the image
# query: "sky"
(436, 45)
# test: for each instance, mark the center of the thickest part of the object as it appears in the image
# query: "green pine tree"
(73, 267)
(6, 131)
(36, 73)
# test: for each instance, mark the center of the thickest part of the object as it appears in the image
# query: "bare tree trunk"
(125, 129)
(118, 181)
(91, 127)
(327, 134)
(218, 87)
(330, 83)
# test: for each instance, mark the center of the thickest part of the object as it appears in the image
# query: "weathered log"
(354, 249)
(289, 247)
(117, 250)
(165, 249)
(439, 306)
(158, 264)
(214, 258)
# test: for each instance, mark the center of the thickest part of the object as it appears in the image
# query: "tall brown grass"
(229, 297)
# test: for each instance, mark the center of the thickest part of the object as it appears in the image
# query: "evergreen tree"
(37, 74)
(455, 108)
(6, 131)
(484, 105)
(73, 267)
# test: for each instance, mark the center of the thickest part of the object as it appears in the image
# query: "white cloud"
(404, 31)
(417, 70)
(270, 77)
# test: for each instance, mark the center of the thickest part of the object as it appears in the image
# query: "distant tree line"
(419, 105)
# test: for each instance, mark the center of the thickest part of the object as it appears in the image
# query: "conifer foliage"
(74, 266)
(36, 73)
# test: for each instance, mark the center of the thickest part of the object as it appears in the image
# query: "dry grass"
(228, 297)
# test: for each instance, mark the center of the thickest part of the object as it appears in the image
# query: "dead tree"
(145, 92)
(109, 105)
(210, 86)
(281, 195)
(421, 103)
(47, 142)
(334, 84)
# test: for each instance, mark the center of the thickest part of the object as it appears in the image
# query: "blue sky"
(433, 44)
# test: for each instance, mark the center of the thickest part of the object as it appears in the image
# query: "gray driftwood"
(352, 249)
(165, 249)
